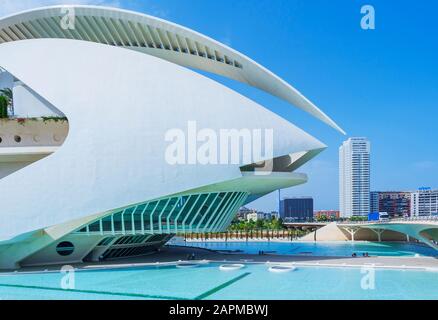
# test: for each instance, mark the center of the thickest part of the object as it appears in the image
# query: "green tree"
(3, 107)
(8, 94)
(276, 224)
(260, 224)
(271, 224)
(358, 218)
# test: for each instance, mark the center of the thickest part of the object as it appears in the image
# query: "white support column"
(142, 218)
(151, 218)
(379, 233)
(175, 205)
(160, 227)
(123, 221)
(352, 232)
(132, 220)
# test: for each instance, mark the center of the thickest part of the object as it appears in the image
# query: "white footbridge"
(424, 229)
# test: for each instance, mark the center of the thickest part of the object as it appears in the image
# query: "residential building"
(424, 202)
(274, 215)
(243, 212)
(329, 214)
(255, 216)
(396, 203)
(354, 177)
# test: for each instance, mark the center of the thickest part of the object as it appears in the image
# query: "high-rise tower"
(354, 177)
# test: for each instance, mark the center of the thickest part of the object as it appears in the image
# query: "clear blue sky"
(381, 84)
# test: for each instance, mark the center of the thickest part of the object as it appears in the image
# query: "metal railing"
(246, 235)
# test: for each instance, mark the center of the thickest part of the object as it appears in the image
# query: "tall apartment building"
(424, 202)
(395, 203)
(354, 177)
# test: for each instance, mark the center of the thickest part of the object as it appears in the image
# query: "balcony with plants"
(19, 131)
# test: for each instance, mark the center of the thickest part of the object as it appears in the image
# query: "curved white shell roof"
(156, 37)
(112, 158)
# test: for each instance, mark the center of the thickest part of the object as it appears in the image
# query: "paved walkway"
(171, 255)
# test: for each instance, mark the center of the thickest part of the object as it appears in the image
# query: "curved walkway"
(172, 255)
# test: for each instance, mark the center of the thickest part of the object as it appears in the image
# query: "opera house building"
(102, 153)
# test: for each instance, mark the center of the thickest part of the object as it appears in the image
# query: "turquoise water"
(336, 249)
(208, 282)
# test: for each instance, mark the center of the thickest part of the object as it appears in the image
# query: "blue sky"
(381, 84)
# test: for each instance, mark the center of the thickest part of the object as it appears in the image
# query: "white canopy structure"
(157, 37)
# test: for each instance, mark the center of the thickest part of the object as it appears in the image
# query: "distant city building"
(255, 216)
(297, 209)
(424, 202)
(395, 203)
(243, 213)
(270, 215)
(354, 177)
(329, 214)
(246, 214)
(374, 201)
(274, 214)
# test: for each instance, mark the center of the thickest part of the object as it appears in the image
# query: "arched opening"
(431, 234)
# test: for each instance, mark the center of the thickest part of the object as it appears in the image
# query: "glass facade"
(296, 209)
(204, 212)
(396, 204)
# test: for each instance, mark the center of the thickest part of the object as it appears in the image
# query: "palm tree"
(7, 93)
(3, 107)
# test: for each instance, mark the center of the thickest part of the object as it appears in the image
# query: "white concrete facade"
(28, 104)
(110, 180)
(255, 216)
(153, 36)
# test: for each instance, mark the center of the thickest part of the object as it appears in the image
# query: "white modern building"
(354, 177)
(255, 216)
(243, 213)
(424, 202)
(99, 185)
